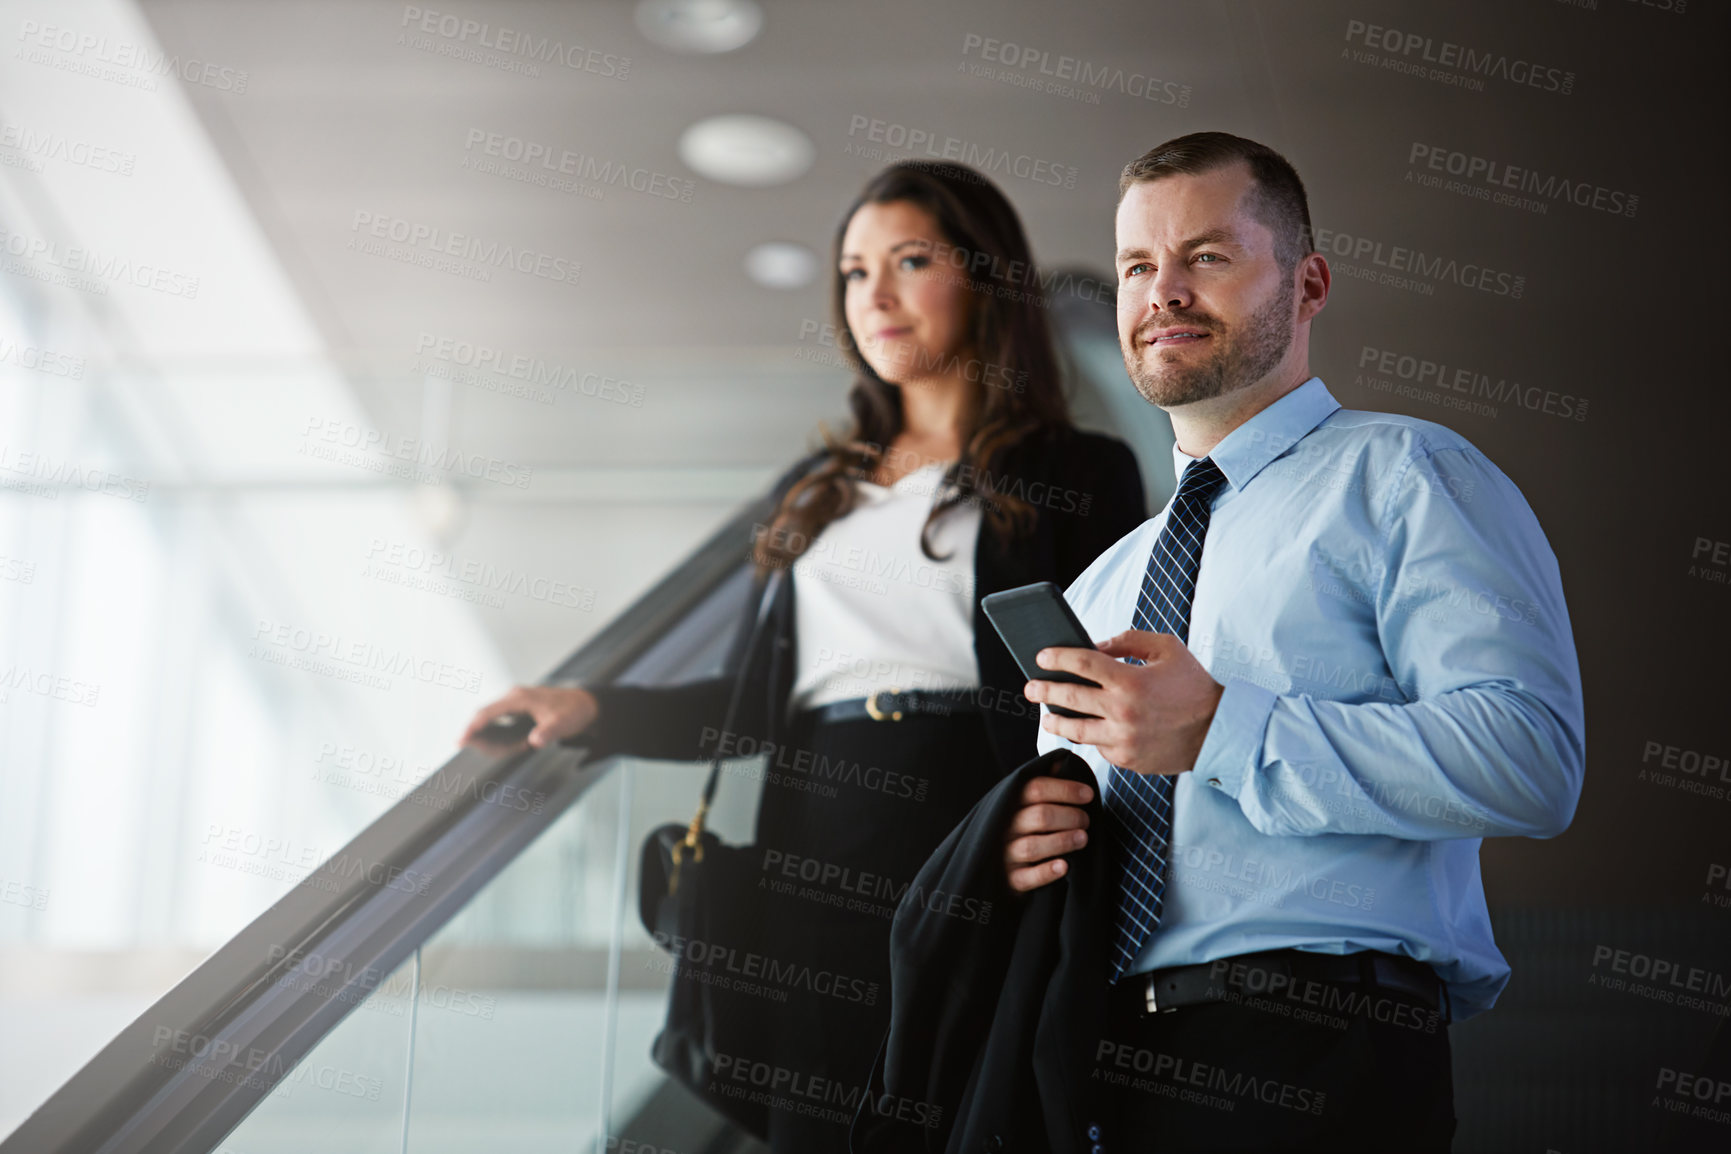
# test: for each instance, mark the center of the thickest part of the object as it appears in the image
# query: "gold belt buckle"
(877, 714)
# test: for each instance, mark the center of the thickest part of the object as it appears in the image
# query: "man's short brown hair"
(1278, 201)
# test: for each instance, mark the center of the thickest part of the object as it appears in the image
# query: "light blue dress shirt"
(1388, 621)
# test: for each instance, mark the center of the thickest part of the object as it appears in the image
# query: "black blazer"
(1088, 494)
(995, 1021)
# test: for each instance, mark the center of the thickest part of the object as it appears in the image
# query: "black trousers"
(850, 812)
(1253, 1075)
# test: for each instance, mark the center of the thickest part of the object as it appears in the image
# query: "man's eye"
(1136, 268)
(1210, 257)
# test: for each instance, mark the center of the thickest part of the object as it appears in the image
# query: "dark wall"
(1592, 360)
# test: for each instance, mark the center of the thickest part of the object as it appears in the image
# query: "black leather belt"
(893, 704)
(1293, 976)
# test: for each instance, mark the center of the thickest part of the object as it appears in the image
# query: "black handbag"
(699, 897)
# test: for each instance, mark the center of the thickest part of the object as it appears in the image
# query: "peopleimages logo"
(41, 144)
(63, 473)
(425, 245)
(1440, 376)
(1197, 1083)
(1066, 71)
(88, 54)
(1499, 182)
(931, 145)
(41, 360)
(1697, 1095)
(531, 370)
(18, 894)
(42, 683)
(1412, 268)
(287, 644)
(411, 458)
(1276, 883)
(542, 163)
(87, 269)
(1444, 60)
(817, 767)
(800, 1092)
(749, 966)
(409, 565)
(846, 883)
(459, 32)
(1690, 770)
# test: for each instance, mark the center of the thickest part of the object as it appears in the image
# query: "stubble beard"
(1242, 358)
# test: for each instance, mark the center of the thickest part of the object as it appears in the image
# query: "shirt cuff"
(1234, 740)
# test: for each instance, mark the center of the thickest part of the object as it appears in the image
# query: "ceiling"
(352, 113)
(344, 115)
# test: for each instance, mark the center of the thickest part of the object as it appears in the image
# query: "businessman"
(1338, 659)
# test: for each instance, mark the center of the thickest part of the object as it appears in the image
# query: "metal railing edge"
(126, 1099)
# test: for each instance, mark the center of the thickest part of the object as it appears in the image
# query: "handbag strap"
(695, 830)
(772, 586)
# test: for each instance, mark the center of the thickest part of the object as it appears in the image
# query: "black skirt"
(850, 812)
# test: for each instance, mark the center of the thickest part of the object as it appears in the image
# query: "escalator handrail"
(182, 1075)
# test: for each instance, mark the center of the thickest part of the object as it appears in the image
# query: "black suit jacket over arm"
(1087, 492)
(994, 1022)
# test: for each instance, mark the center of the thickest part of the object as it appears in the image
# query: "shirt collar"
(1245, 450)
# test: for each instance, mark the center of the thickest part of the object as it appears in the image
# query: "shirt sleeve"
(1470, 615)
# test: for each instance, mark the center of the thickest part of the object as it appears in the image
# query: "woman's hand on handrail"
(558, 713)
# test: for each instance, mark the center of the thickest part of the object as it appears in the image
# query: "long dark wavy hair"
(1018, 394)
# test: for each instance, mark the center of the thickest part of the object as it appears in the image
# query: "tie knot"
(1202, 478)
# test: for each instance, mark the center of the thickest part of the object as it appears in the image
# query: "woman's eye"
(852, 273)
(913, 263)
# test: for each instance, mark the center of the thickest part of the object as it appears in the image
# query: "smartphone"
(1034, 617)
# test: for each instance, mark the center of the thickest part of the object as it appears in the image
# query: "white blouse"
(872, 611)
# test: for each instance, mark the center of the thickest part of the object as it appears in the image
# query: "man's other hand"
(1050, 823)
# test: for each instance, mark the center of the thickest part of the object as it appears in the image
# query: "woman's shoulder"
(1084, 441)
(1072, 447)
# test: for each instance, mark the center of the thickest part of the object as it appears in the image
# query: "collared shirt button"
(1093, 1131)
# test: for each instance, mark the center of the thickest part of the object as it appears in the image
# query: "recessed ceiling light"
(700, 25)
(753, 151)
(781, 264)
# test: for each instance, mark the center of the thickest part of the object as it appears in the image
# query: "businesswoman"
(890, 703)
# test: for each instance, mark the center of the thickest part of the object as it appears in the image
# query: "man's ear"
(1313, 279)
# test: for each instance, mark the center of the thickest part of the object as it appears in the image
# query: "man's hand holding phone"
(1147, 718)
(1150, 718)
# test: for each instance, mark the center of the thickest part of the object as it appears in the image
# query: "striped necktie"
(1140, 805)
